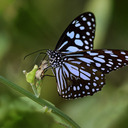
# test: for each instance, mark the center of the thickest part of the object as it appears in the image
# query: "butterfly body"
(55, 58)
(79, 69)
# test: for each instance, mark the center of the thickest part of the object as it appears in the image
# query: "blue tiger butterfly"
(79, 69)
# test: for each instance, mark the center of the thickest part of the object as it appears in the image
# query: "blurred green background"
(30, 25)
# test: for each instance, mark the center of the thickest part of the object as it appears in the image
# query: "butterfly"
(78, 68)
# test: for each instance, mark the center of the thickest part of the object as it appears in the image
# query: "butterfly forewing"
(79, 35)
(78, 80)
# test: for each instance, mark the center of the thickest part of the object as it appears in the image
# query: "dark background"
(30, 25)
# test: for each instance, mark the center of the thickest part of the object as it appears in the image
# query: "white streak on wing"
(86, 47)
(93, 19)
(82, 28)
(113, 55)
(76, 62)
(65, 72)
(77, 35)
(77, 24)
(110, 62)
(64, 81)
(126, 57)
(73, 69)
(71, 35)
(72, 49)
(99, 59)
(61, 80)
(73, 22)
(98, 64)
(94, 70)
(74, 54)
(108, 52)
(58, 79)
(108, 65)
(63, 45)
(123, 53)
(88, 33)
(86, 87)
(78, 88)
(101, 56)
(78, 42)
(85, 60)
(91, 53)
(84, 18)
(86, 42)
(119, 60)
(85, 73)
(74, 88)
(84, 77)
(88, 23)
(69, 59)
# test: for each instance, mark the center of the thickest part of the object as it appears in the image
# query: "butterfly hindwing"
(83, 72)
(109, 60)
(105, 60)
(77, 80)
(79, 35)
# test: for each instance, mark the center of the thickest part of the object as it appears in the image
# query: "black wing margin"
(79, 35)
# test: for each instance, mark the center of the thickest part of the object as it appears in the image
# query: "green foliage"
(47, 106)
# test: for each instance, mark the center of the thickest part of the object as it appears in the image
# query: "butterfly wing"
(79, 35)
(109, 60)
(105, 60)
(77, 80)
(83, 73)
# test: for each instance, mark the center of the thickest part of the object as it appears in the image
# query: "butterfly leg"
(48, 75)
(53, 72)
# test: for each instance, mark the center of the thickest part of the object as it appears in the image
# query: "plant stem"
(40, 101)
(34, 90)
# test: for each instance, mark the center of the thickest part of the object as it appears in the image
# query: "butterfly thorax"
(55, 58)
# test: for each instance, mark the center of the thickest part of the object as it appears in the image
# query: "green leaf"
(30, 76)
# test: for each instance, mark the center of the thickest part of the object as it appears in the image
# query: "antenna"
(35, 52)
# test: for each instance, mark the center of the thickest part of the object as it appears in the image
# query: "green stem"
(39, 101)
(34, 90)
